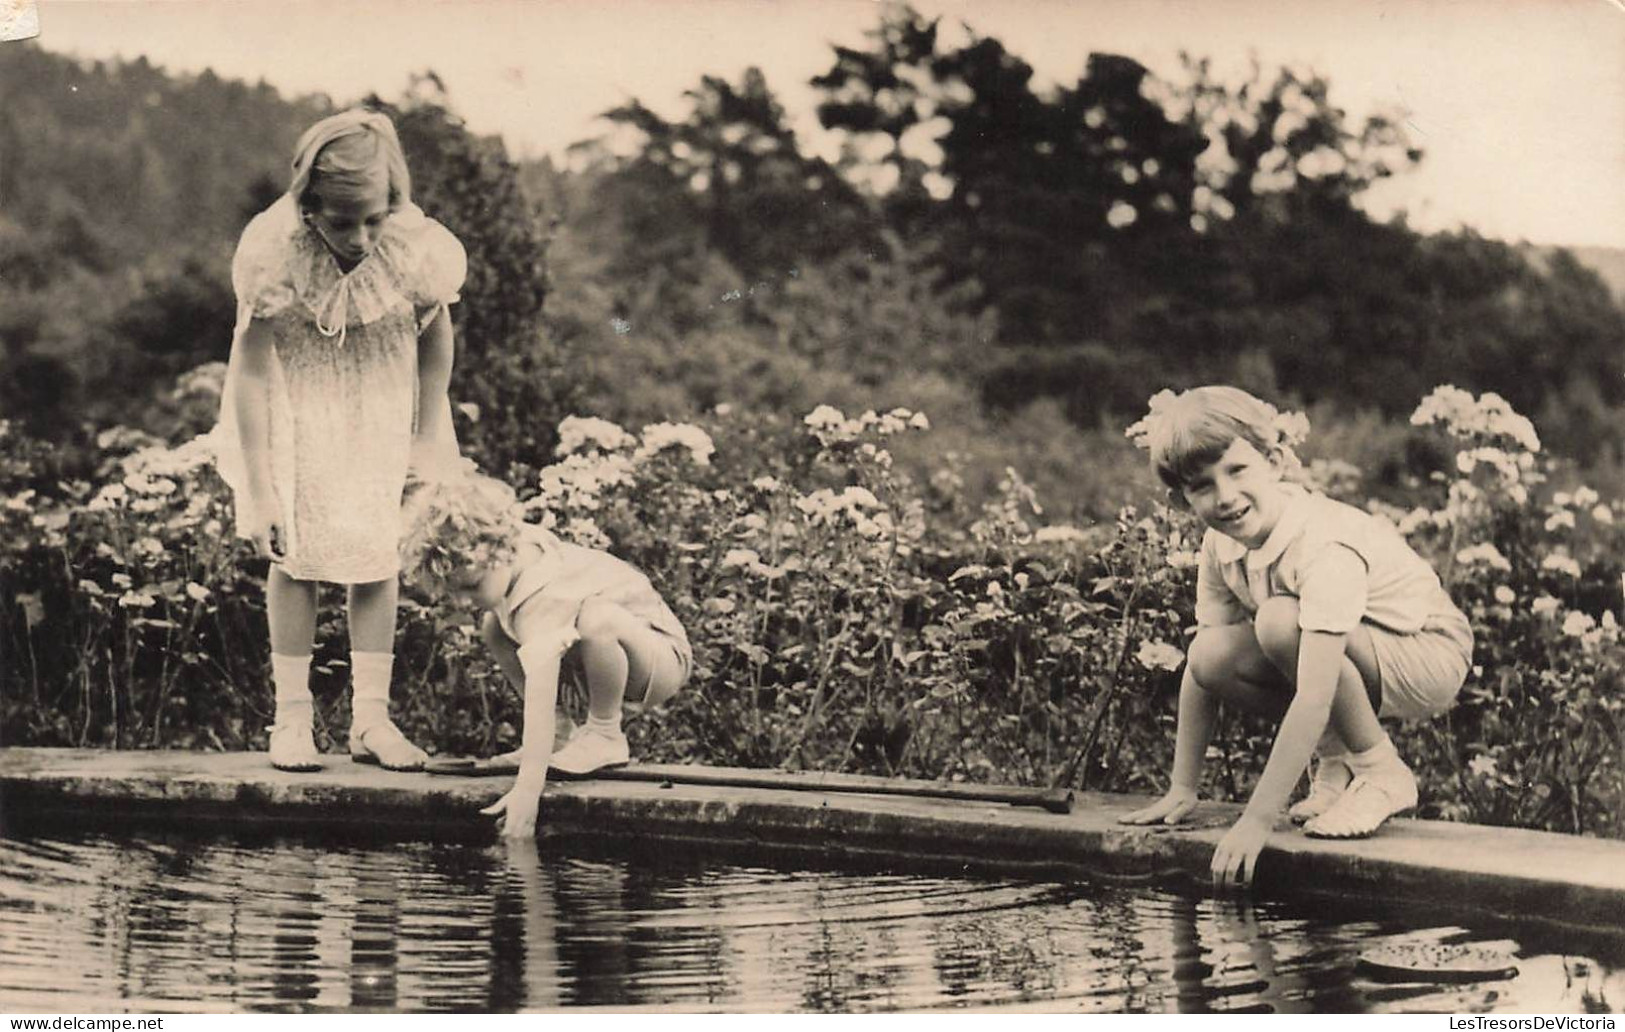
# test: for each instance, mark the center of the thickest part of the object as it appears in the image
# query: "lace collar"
(377, 285)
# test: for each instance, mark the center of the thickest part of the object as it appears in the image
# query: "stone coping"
(1565, 879)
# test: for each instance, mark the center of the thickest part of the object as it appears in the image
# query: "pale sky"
(1520, 104)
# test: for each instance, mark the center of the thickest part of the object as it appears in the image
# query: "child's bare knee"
(1211, 658)
(602, 621)
(1276, 626)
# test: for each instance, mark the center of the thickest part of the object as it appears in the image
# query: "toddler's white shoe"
(1332, 777)
(293, 747)
(592, 749)
(1366, 804)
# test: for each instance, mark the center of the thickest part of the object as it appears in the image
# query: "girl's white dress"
(342, 386)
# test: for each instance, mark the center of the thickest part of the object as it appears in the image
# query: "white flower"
(855, 497)
(1159, 655)
(919, 422)
(579, 432)
(1562, 519)
(108, 497)
(136, 599)
(1485, 418)
(660, 436)
(740, 557)
(196, 592)
(765, 484)
(1545, 605)
(1487, 554)
(1562, 564)
(1140, 431)
(1414, 520)
(1059, 534)
(1584, 496)
(1505, 595)
(820, 505)
(1182, 559)
(824, 417)
(584, 531)
(1293, 428)
(1602, 514)
(1577, 623)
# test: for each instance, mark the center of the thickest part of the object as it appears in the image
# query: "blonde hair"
(1187, 433)
(349, 154)
(455, 524)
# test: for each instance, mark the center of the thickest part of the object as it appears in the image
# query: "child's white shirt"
(1399, 592)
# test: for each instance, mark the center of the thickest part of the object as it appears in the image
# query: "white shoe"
(293, 747)
(1366, 804)
(591, 750)
(1332, 777)
(384, 745)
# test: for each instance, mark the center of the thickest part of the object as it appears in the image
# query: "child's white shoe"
(592, 749)
(1332, 777)
(1366, 804)
(293, 747)
(565, 729)
(385, 745)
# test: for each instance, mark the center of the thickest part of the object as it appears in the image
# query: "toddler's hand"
(1236, 857)
(516, 813)
(1172, 808)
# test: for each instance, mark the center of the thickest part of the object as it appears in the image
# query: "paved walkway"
(1562, 878)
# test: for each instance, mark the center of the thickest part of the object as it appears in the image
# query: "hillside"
(1607, 262)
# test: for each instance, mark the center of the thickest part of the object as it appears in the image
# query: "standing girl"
(335, 389)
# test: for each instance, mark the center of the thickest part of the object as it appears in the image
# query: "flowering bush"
(845, 616)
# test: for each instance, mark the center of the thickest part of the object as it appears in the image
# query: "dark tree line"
(980, 243)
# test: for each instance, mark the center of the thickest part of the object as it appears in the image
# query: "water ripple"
(95, 923)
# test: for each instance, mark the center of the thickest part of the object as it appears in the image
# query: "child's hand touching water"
(516, 812)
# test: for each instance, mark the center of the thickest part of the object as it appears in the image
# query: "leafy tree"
(507, 368)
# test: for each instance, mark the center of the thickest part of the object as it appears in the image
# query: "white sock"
(369, 686)
(609, 727)
(1381, 758)
(291, 677)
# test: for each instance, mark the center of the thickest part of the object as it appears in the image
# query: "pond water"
(161, 921)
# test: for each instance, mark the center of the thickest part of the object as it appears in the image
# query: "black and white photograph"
(814, 507)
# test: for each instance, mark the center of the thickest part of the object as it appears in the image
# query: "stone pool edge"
(1525, 874)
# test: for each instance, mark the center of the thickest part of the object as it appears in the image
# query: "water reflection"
(90, 923)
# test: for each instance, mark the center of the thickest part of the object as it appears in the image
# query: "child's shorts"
(1422, 673)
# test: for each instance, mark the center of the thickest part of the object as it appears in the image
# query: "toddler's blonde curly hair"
(453, 524)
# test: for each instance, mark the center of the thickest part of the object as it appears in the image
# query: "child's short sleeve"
(1333, 593)
(1216, 604)
(440, 264)
(260, 273)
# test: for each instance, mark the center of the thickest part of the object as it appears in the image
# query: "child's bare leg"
(373, 736)
(606, 659)
(1381, 784)
(290, 609)
(619, 659)
(1223, 663)
(1359, 685)
(1228, 663)
(505, 651)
